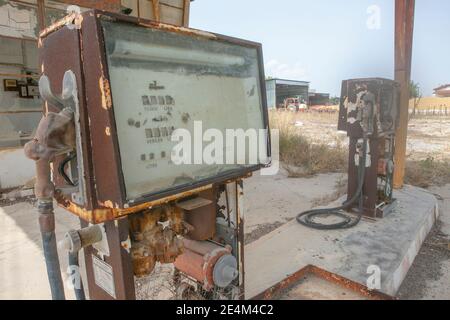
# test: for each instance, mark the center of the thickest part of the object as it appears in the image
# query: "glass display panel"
(163, 81)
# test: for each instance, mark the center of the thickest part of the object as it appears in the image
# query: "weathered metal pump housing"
(117, 89)
(369, 109)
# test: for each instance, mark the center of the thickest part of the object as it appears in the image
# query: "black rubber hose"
(74, 262)
(47, 223)
(52, 263)
(306, 218)
(61, 169)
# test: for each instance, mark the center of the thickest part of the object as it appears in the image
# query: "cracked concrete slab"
(390, 243)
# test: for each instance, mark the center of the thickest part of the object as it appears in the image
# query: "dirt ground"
(427, 136)
(429, 277)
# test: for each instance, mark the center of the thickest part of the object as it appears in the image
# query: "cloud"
(276, 69)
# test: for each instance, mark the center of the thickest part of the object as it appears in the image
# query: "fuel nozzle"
(368, 112)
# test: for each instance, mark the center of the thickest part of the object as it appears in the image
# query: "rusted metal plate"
(100, 215)
(313, 283)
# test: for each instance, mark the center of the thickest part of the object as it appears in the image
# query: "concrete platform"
(391, 244)
(22, 266)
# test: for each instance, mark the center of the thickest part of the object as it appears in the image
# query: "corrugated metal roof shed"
(280, 89)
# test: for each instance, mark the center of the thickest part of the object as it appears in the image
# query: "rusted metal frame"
(198, 184)
(404, 28)
(69, 19)
(156, 12)
(84, 119)
(262, 79)
(274, 291)
(109, 190)
(348, 284)
(148, 23)
(239, 185)
(100, 215)
(292, 280)
(241, 42)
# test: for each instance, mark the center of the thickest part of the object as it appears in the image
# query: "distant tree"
(335, 101)
(416, 94)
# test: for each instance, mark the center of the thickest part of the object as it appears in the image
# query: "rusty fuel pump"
(369, 112)
(117, 90)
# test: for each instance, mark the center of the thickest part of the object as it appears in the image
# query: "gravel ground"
(427, 137)
(428, 268)
(429, 276)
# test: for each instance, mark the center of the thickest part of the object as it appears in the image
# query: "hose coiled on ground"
(307, 218)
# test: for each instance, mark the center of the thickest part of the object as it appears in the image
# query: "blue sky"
(326, 41)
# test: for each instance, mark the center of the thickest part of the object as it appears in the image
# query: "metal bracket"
(102, 247)
(68, 100)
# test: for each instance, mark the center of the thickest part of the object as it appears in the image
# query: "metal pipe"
(47, 227)
(44, 190)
